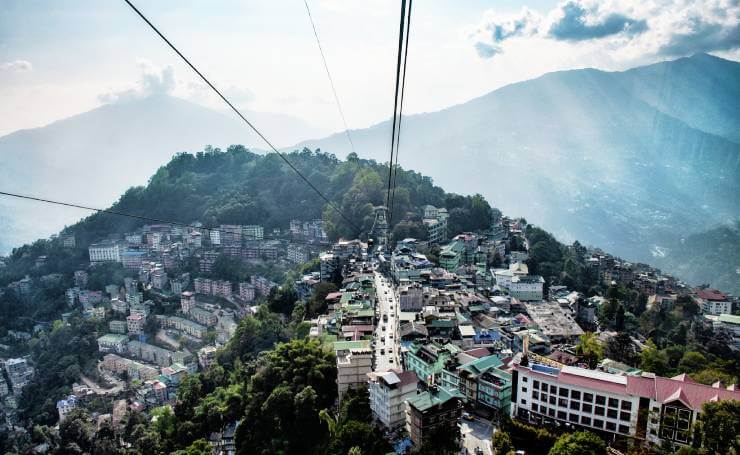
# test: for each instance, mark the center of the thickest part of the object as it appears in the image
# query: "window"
(562, 415)
(586, 408)
(611, 426)
(585, 420)
(624, 429)
(563, 402)
(611, 413)
(599, 411)
(525, 379)
(563, 392)
(573, 418)
(553, 400)
(613, 403)
(551, 412)
(535, 395)
(524, 401)
(575, 394)
(600, 399)
(624, 416)
(534, 407)
(627, 405)
(575, 405)
(553, 389)
(588, 397)
(598, 423)
(536, 384)
(544, 396)
(524, 389)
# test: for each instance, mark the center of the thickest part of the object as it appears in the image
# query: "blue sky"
(59, 58)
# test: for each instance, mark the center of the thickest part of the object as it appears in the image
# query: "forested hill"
(240, 187)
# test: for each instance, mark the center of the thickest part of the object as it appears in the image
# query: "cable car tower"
(379, 230)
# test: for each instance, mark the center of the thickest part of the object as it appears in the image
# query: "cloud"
(497, 28)
(621, 29)
(153, 81)
(578, 22)
(17, 66)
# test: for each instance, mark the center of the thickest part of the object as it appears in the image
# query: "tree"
(578, 443)
(317, 303)
(440, 440)
(620, 348)
(501, 443)
(718, 426)
(653, 359)
(691, 362)
(590, 348)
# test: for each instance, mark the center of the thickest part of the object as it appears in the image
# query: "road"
(101, 391)
(476, 434)
(387, 353)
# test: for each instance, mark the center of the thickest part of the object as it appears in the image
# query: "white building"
(105, 252)
(297, 253)
(526, 287)
(215, 236)
(66, 406)
(713, 301)
(578, 398)
(253, 232)
(354, 362)
(389, 391)
(111, 342)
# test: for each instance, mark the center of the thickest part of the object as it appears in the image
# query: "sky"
(62, 57)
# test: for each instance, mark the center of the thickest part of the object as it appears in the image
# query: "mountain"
(630, 161)
(93, 157)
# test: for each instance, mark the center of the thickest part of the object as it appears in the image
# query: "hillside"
(630, 161)
(93, 157)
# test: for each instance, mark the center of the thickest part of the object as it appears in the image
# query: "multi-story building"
(184, 325)
(118, 305)
(203, 317)
(221, 289)
(354, 362)
(187, 302)
(329, 265)
(246, 292)
(262, 284)
(389, 391)
(207, 357)
(135, 323)
(427, 411)
(150, 353)
(111, 342)
(88, 297)
(80, 278)
(215, 236)
(427, 360)
(202, 286)
(411, 297)
(253, 232)
(645, 407)
(116, 326)
(297, 253)
(19, 372)
(207, 260)
(159, 278)
(134, 369)
(527, 287)
(68, 240)
(133, 259)
(713, 301)
(105, 252)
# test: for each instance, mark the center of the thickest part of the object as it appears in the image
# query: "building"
(204, 317)
(119, 306)
(389, 391)
(297, 253)
(554, 322)
(215, 236)
(135, 323)
(19, 372)
(427, 360)
(133, 259)
(253, 232)
(354, 362)
(134, 369)
(262, 284)
(111, 342)
(713, 301)
(184, 325)
(105, 252)
(66, 406)
(221, 289)
(116, 326)
(246, 292)
(187, 302)
(427, 411)
(207, 357)
(411, 297)
(80, 278)
(644, 407)
(329, 265)
(526, 287)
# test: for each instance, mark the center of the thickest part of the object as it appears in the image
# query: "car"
(382, 352)
(390, 335)
(383, 328)
(382, 339)
(390, 360)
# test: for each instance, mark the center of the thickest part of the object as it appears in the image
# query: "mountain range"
(635, 162)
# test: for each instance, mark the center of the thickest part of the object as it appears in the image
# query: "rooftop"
(426, 400)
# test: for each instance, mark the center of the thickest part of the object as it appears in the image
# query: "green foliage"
(654, 360)
(526, 437)
(441, 440)
(590, 348)
(578, 443)
(718, 427)
(620, 348)
(501, 443)
(317, 303)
